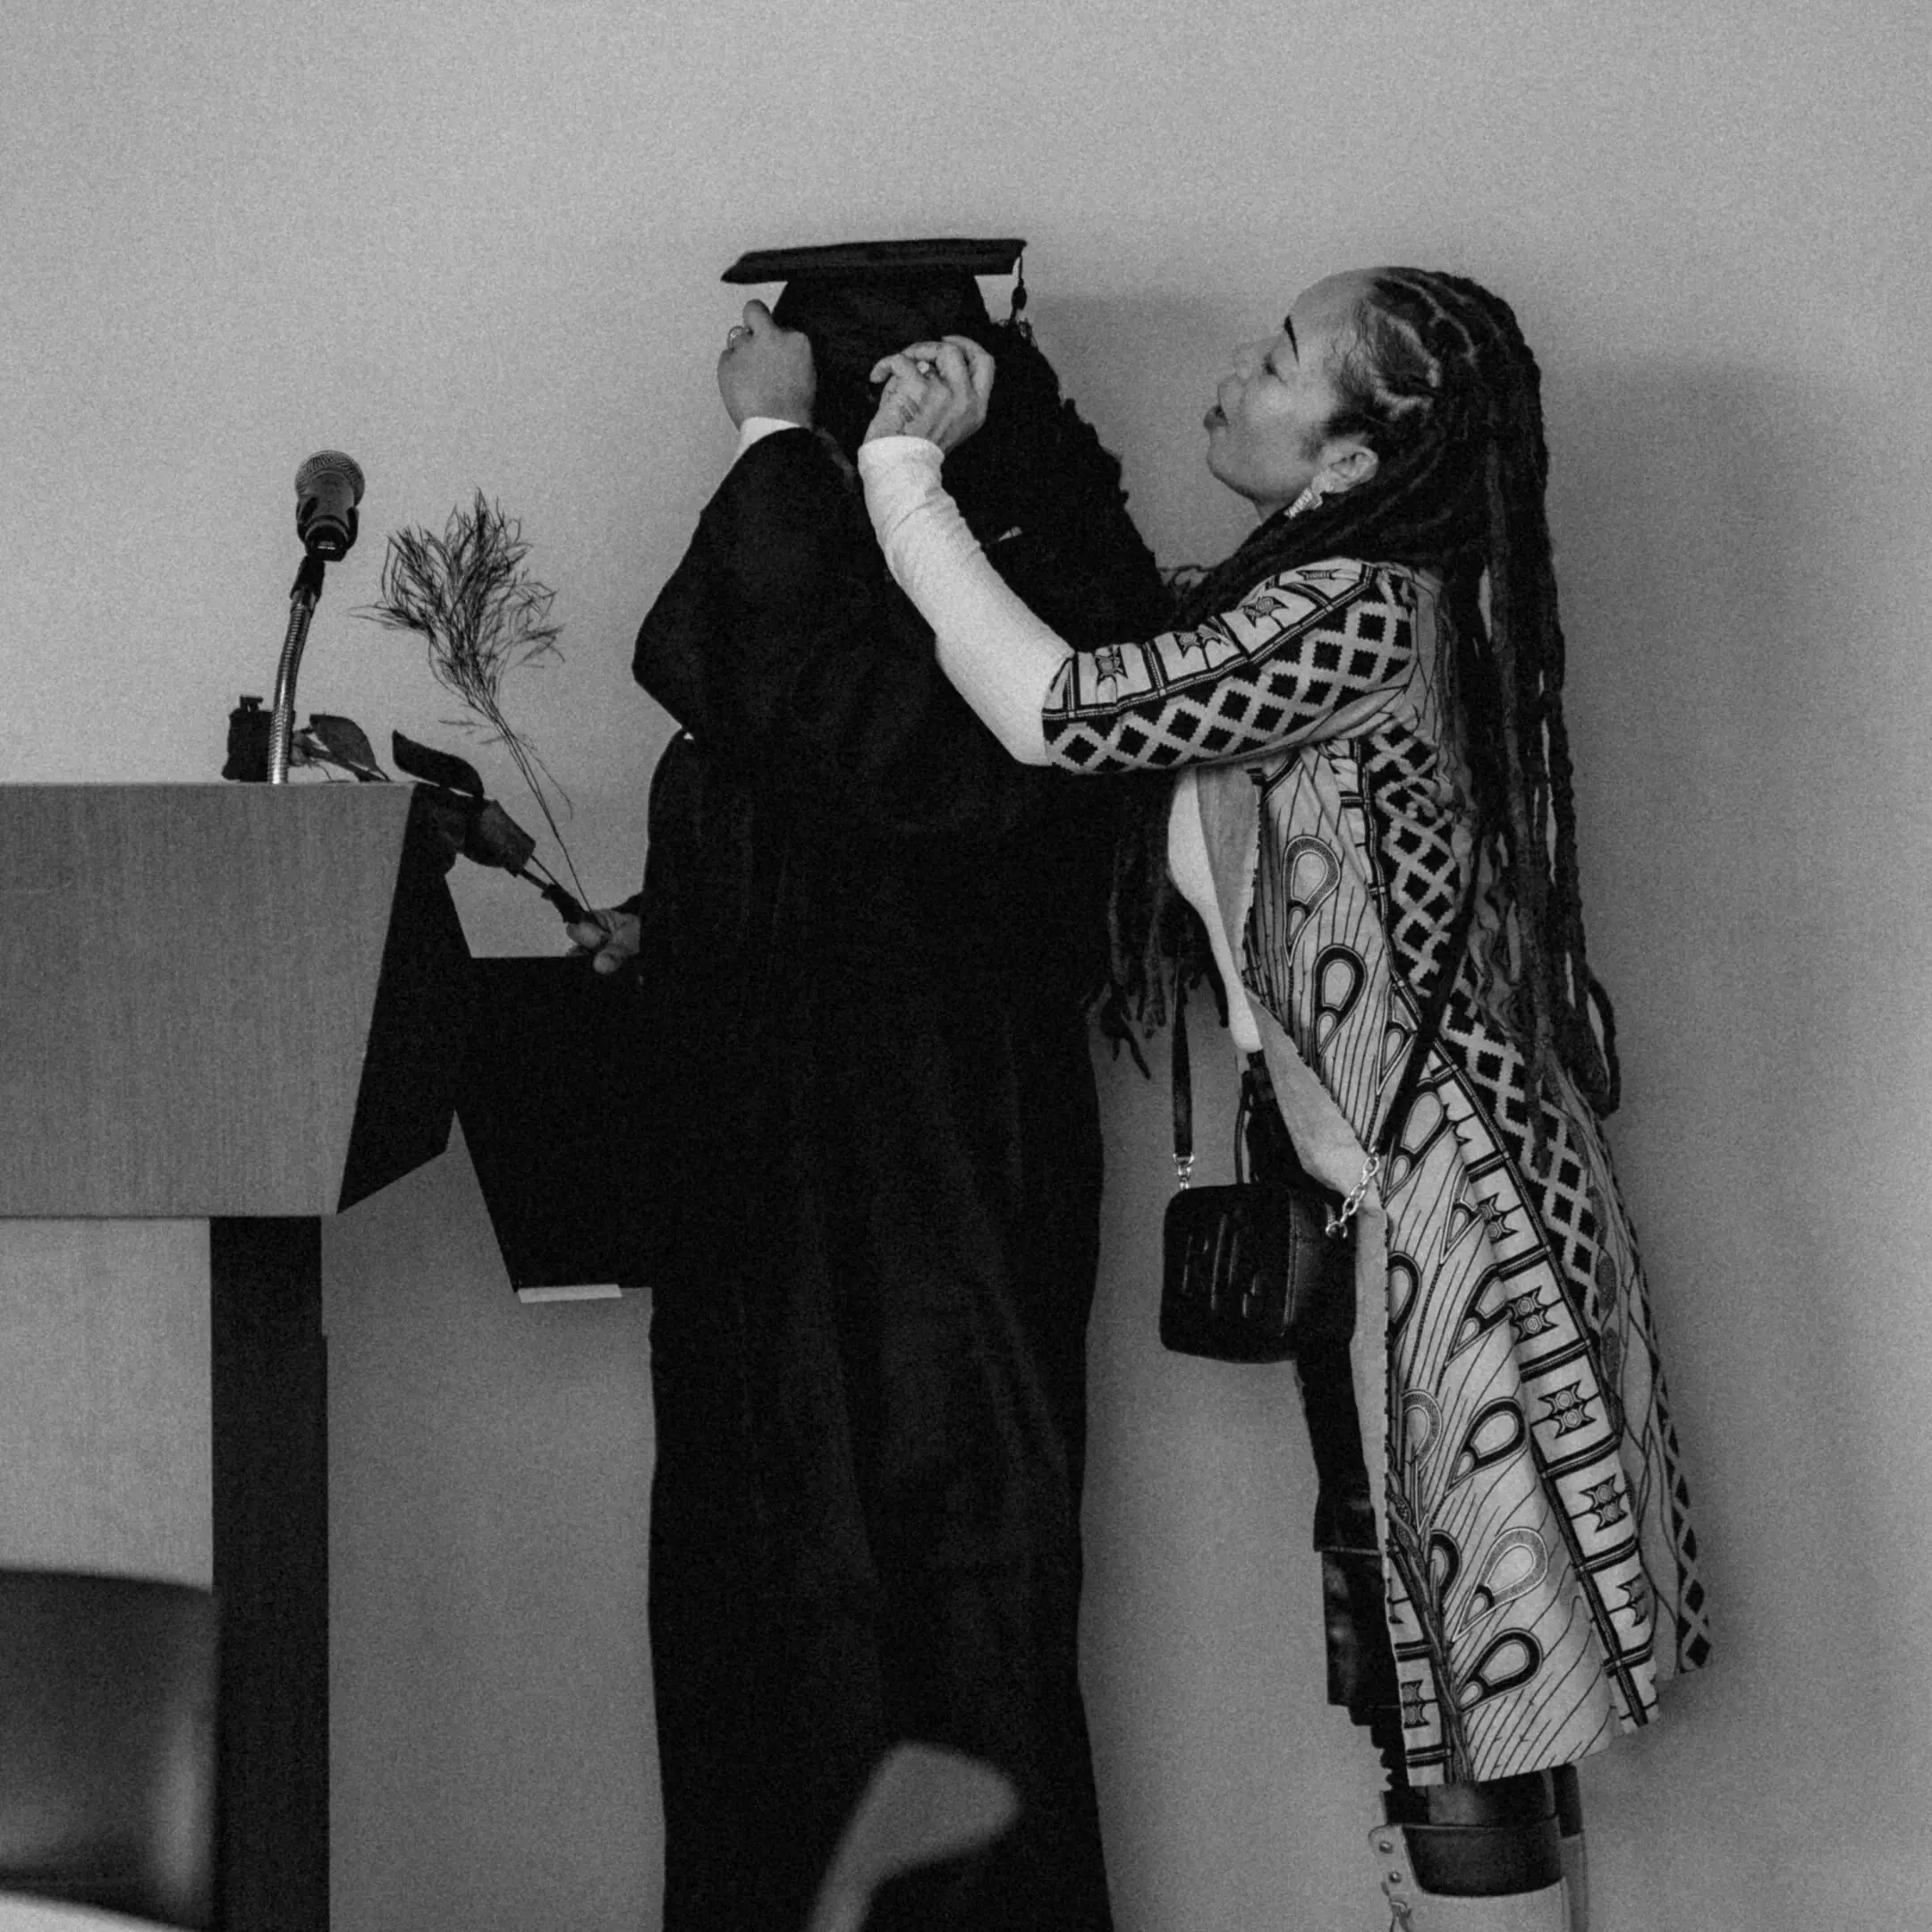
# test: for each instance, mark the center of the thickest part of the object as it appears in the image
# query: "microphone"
(327, 488)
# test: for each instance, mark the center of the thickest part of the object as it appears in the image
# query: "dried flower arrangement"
(481, 614)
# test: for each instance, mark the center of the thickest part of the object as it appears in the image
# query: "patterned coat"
(1539, 1558)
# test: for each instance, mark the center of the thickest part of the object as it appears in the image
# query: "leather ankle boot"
(1413, 1910)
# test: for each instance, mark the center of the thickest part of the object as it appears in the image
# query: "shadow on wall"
(1228, 1785)
(1721, 705)
(492, 1753)
(1143, 372)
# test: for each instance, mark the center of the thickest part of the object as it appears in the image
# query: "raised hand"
(938, 390)
(608, 938)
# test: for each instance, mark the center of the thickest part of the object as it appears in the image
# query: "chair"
(107, 1746)
(19, 1913)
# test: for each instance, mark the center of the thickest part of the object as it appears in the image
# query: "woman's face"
(1266, 432)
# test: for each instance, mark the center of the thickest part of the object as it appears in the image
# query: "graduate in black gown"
(874, 940)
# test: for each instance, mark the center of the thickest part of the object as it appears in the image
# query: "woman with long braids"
(1362, 707)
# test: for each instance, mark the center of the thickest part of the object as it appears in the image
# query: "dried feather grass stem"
(481, 616)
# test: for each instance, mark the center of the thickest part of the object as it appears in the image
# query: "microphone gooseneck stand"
(302, 599)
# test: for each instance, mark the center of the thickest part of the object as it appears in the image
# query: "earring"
(1310, 499)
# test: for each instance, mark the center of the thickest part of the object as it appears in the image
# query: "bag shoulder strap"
(1183, 1084)
(1432, 1014)
(1424, 1039)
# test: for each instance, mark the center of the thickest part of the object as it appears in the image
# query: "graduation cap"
(873, 260)
(859, 301)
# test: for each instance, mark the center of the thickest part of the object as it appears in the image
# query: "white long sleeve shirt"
(1004, 660)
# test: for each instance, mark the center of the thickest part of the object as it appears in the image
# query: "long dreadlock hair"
(1435, 378)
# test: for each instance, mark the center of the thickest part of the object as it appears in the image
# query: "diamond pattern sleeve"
(1318, 652)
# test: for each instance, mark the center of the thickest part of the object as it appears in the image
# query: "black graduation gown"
(873, 932)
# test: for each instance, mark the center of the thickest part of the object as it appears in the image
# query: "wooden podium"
(225, 1011)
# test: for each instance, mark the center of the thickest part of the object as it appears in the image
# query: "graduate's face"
(1268, 431)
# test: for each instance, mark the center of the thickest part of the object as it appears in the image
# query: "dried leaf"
(494, 838)
(346, 744)
(436, 767)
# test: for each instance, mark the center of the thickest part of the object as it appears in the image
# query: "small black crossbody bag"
(1264, 1269)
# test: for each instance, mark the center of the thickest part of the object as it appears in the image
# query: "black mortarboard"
(851, 261)
(859, 301)
(1035, 479)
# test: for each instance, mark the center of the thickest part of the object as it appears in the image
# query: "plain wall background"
(478, 244)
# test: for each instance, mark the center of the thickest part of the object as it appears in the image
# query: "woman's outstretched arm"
(1006, 671)
(1316, 652)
